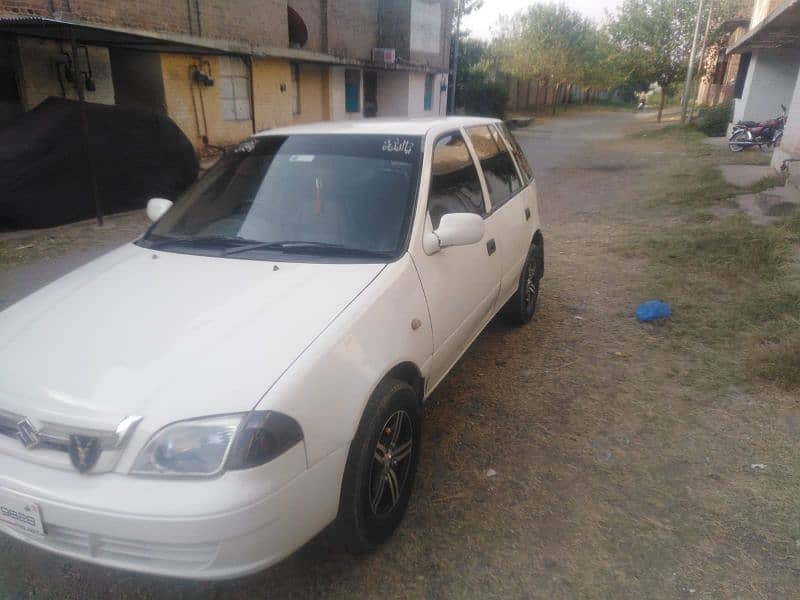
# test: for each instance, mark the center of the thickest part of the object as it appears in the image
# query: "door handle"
(527, 214)
(491, 246)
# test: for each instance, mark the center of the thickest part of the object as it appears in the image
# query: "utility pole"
(459, 8)
(690, 70)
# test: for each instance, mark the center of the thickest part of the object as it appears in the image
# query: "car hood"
(164, 335)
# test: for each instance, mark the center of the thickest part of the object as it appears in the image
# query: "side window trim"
(471, 152)
(487, 200)
(522, 176)
(502, 128)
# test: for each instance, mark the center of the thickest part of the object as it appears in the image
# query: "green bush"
(484, 98)
(713, 120)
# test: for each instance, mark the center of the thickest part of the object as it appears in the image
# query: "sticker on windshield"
(398, 145)
(301, 158)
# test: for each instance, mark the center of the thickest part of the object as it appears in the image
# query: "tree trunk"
(661, 103)
(556, 93)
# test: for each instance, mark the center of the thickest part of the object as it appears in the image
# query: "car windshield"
(315, 195)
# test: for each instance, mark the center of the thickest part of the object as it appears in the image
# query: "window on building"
(352, 90)
(234, 88)
(428, 102)
(295, 89)
(498, 167)
(455, 186)
(298, 32)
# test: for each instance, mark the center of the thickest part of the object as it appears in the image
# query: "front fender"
(328, 386)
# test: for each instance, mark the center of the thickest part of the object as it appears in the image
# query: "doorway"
(370, 93)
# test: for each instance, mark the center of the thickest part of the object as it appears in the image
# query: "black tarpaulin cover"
(44, 175)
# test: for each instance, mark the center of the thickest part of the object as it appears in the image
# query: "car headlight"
(208, 446)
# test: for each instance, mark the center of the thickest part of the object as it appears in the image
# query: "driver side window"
(455, 186)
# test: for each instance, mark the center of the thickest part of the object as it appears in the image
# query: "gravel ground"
(610, 476)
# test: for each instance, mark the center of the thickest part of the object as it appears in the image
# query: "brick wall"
(352, 28)
(311, 13)
(257, 22)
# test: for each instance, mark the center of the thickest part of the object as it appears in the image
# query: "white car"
(201, 402)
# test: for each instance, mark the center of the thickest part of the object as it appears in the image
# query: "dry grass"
(732, 283)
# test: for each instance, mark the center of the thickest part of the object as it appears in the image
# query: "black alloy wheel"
(391, 463)
(521, 306)
(381, 465)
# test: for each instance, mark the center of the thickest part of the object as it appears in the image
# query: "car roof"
(381, 126)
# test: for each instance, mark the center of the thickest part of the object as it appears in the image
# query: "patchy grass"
(779, 361)
(674, 132)
(734, 286)
(732, 249)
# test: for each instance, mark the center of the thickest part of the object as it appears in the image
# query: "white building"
(771, 60)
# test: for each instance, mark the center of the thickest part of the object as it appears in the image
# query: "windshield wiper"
(306, 246)
(193, 239)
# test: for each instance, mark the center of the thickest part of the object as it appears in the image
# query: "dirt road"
(616, 469)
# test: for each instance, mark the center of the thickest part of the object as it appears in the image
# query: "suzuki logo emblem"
(27, 434)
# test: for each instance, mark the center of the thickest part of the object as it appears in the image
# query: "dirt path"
(617, 473)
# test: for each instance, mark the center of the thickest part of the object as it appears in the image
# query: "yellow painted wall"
(184, 106)
(273, 107)
(314, 103)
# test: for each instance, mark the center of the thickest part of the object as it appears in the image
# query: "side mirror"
(156, 207)
(455, 229)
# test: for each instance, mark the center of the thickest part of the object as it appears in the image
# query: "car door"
(461, 283)
(509, 202)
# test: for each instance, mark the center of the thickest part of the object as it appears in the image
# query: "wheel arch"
(410, 373)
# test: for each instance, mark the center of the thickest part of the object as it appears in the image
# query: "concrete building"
(222, 69)
(770, 52)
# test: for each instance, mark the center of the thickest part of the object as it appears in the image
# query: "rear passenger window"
(519, 155)
(455, 186)
(498, 166)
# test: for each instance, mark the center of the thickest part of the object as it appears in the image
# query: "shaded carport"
(76, 34)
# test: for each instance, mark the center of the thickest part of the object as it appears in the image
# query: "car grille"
(53, 442)
(162, 556)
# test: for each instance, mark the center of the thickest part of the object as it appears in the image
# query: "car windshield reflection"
(318, 195)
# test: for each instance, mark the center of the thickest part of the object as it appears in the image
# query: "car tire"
(521, 306)
(381, 466)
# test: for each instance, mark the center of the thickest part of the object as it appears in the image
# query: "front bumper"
(227, 527)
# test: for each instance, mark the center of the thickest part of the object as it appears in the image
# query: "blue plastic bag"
(652, 310)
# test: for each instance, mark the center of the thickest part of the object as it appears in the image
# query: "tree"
(462, 8)
(554, 43)
(653, 39)
(476, 89)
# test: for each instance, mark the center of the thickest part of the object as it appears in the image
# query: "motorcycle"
(750, 133)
